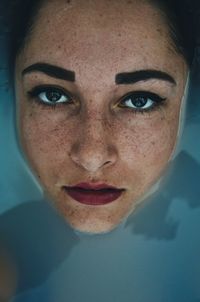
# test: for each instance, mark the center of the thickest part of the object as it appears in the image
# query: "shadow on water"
(38, 239)
(152, 220)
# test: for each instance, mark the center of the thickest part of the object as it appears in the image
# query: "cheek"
(45, 139)
(147, 146)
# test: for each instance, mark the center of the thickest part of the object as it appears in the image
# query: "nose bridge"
(94, 125)
(96, 128)
(93, 146)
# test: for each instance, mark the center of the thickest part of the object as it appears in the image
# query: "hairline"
(160, 6)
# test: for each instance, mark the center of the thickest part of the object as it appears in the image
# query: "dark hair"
(180, 16)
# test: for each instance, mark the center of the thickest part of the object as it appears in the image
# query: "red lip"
(93, 194)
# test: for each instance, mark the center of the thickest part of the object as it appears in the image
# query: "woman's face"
(99, 87)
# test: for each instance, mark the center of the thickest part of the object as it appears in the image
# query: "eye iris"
(53, 96)
(139, 101)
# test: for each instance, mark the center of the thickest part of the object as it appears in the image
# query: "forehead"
(100, 33)
(91, 23)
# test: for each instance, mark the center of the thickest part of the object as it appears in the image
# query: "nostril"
(92, 156)
(90, 161)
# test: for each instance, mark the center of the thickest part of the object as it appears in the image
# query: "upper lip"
(93, 186)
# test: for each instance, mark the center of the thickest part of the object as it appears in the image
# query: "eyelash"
(146, 96)
(36, 91)
(138, 96)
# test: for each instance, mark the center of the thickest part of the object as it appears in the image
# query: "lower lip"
(94, 197)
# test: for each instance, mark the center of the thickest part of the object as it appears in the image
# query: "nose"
(92, 148)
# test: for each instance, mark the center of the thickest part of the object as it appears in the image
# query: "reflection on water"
(153, 256)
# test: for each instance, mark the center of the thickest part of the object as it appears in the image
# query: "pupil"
(140, 102)
(53, 96)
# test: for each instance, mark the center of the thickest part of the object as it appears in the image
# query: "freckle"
(160, 31)
(31, 114)
(55, 129)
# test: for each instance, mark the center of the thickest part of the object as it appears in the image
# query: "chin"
(94, 230)
(92, 227)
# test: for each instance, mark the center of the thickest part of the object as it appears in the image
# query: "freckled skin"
(93, 139)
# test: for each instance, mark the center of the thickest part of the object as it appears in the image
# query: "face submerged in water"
(99, 86)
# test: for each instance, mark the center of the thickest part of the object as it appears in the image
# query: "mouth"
(93, 194)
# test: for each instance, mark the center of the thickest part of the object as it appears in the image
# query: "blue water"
(153, 256)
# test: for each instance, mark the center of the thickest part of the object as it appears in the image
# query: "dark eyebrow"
(143, 75)
(52, 71)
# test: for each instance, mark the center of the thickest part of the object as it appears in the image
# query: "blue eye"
(50, 95)
(141, 100)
